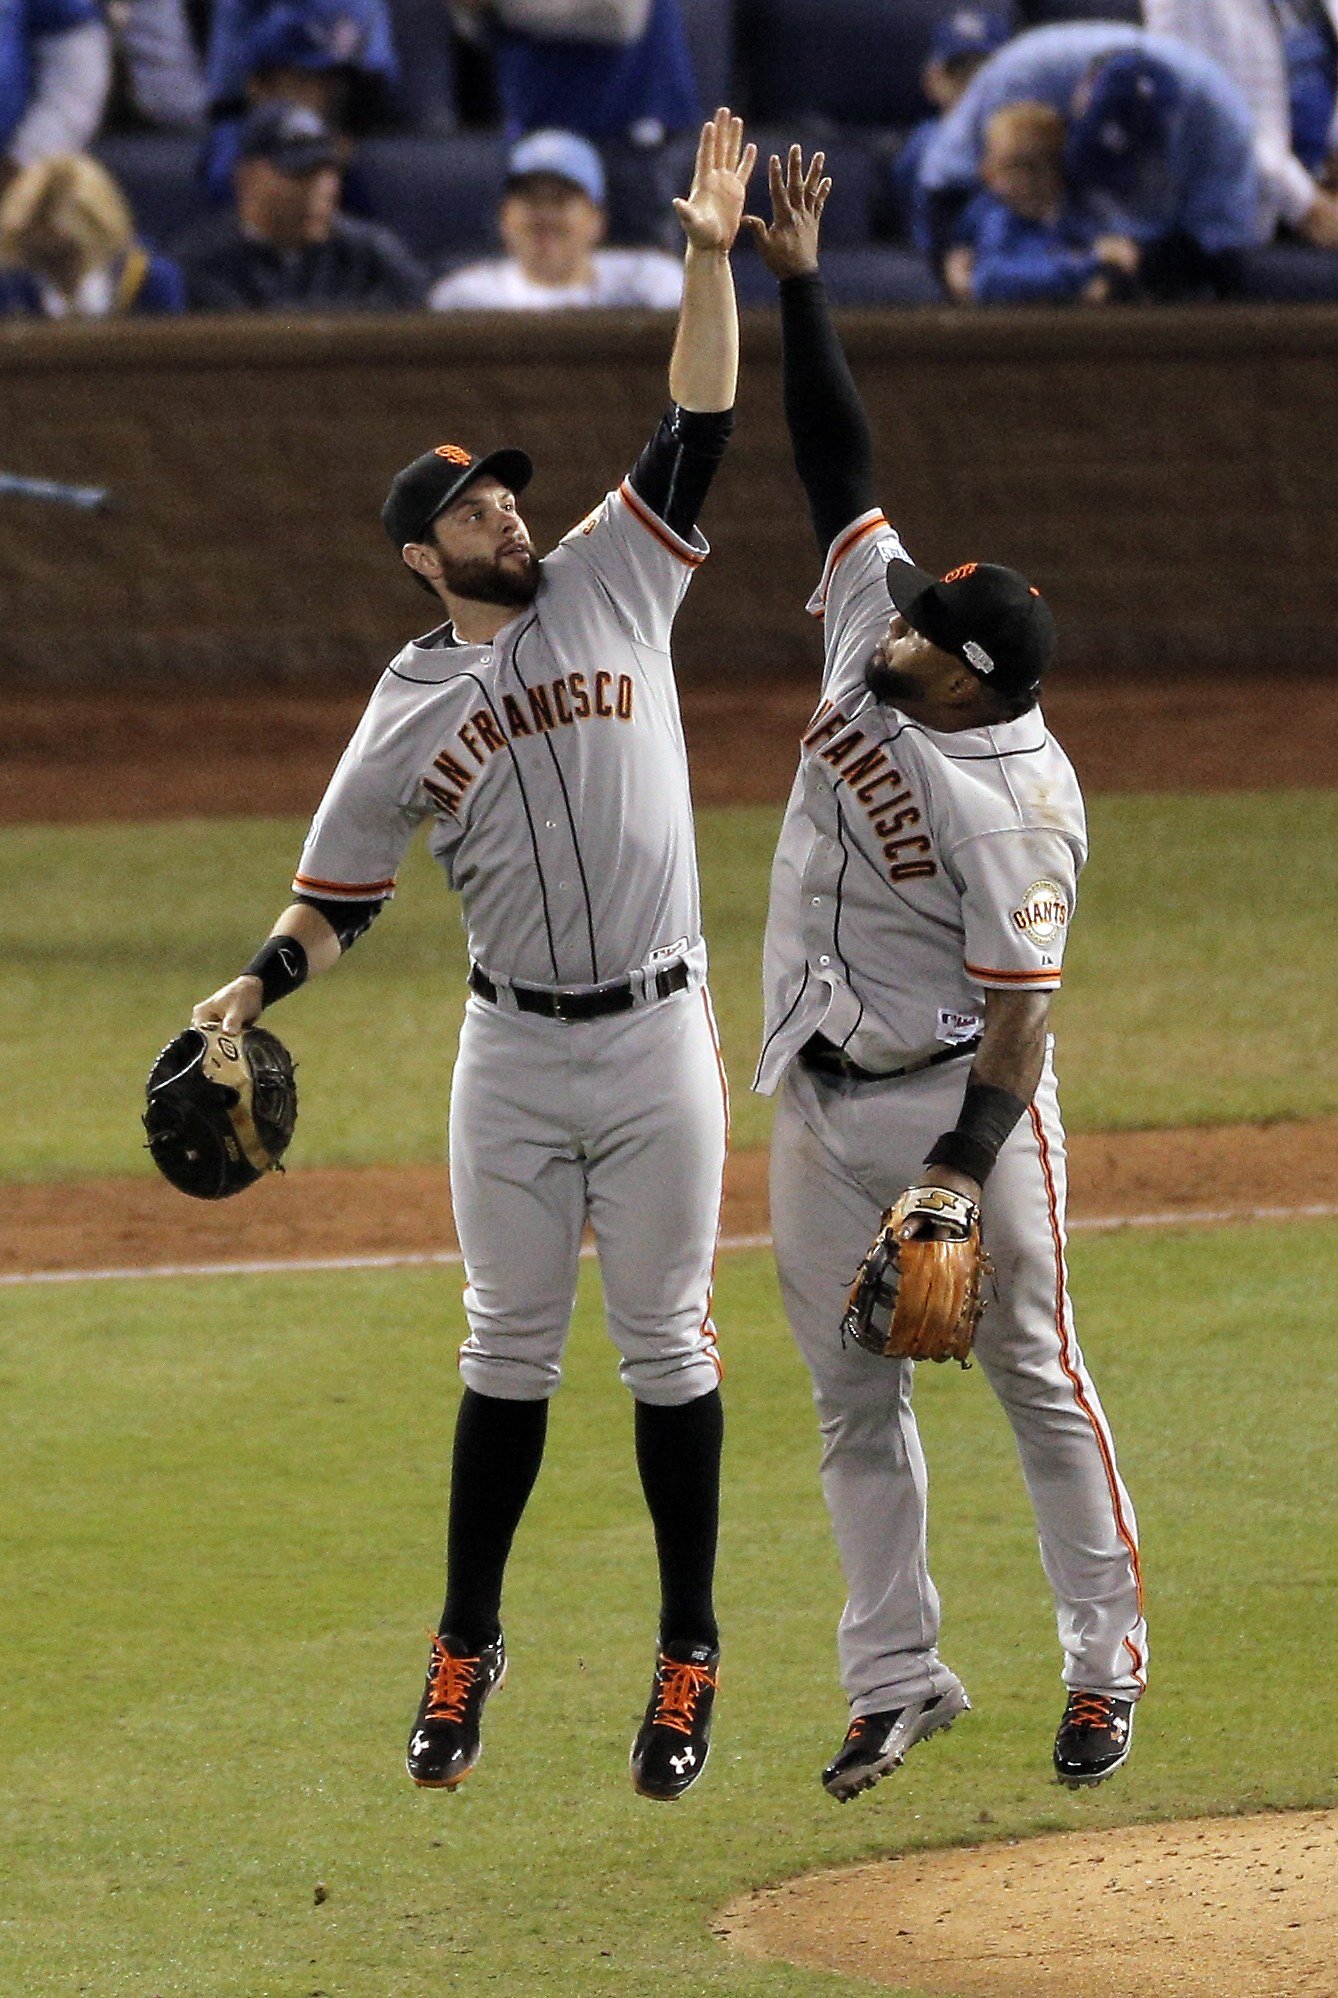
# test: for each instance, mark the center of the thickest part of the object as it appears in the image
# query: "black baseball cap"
(989, 617)
(418, 493)
(295, 140)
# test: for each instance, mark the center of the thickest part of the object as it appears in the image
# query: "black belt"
(823, 1057)
(618, 997)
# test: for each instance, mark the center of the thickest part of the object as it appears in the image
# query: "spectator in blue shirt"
(333, 57)
(1025, 238)
(55, 71)
(69, 251)
(1187, 191)
(627, 87)
(963, 41)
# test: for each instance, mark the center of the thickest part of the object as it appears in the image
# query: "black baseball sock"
(499, 1446)
(678, 1456)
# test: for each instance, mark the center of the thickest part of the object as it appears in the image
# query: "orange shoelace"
(451, 1680)
(680, 1688)
(1090, 1710)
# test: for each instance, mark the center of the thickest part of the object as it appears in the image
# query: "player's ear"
(424, 561)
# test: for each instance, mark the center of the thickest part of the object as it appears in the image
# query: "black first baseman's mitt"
(221, 1109)
(917, 1296)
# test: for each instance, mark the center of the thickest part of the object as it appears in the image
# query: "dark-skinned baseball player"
(921, 896)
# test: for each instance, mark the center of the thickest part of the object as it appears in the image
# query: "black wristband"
(987, 1116)
(281, 966)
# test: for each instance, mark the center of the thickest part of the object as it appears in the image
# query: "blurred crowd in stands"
(158, 156)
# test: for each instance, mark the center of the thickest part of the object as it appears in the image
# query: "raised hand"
(789, 242)
(714, 206)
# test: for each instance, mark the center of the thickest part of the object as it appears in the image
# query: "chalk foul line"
(407, 1259)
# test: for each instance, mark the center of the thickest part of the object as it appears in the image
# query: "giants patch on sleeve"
(1042, 916)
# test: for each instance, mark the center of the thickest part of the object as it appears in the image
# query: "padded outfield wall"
(1168, 477)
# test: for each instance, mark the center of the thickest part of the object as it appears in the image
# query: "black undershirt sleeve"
(829, 432)
(674, 472)
(348, 920)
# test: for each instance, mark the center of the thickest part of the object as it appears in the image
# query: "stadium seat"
(849, 62)
(424, 96)
(1292, 273)
(439, 195)
(710, 31)
(158, 173)
(871, 274)
(1041, 13)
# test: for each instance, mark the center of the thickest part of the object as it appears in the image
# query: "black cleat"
(876, 1744)
(445, 1744)
(674, 1739)
(1094, 1738)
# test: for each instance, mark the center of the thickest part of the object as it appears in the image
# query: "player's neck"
(476, 623)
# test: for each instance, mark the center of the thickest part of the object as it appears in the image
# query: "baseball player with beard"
(920, 899)
(537, 730)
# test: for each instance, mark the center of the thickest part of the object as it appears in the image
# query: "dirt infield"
(99, 1224)
(75, 757)
(1218, 1908)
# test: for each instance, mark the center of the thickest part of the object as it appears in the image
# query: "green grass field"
(227, 1495)
(222, 1549)
(1197, 987)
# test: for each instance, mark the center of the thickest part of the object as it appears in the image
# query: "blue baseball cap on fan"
(557, 156)
(1128, 117)
(970, 31)
(315, 36)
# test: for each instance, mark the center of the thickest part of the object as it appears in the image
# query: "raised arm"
(704, 368)
(674, 472)
(829, 432)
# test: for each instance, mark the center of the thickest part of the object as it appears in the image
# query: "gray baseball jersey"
(915, 869)
(551, 764)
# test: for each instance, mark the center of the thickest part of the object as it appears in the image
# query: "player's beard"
(484, 579)
(886, 684)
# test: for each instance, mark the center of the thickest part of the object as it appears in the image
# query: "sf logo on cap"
(455, 454)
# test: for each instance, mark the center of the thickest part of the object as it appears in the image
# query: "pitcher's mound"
(1213, 1908)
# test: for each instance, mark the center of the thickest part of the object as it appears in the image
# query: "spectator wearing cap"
(284, 246)
(69, 250)
(1160, 142)
(552, 220)
(1284, 56)
(55, 71)
(617, 72)
(334, 57)
(1026, 238)
(963, 40)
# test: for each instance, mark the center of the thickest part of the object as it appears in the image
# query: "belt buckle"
(560, 1007)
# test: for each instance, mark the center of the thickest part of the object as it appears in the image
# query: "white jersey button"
(824, 960)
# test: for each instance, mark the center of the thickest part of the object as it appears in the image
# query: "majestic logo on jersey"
(1043, 913)
(454, 454)
(868, 771)
(562, 703)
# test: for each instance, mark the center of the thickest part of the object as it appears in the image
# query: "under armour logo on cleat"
(419, 1743)
(687, 1760)
(1119, 1728)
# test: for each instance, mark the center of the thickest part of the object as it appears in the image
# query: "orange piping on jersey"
(691, 558)
(708, 1330)
(361, 890)
(1045, 979)
(851, 539)
(1075, 1381)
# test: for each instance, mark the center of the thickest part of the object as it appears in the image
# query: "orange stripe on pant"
(708, 1329)
(1072, 1375)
